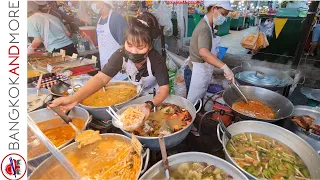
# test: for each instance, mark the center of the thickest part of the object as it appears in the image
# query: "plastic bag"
(255, 41)
(163, 15)
(170, 64)
(131, 117)
(179, 84)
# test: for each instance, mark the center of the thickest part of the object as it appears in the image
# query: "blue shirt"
(117, 25)
(57, 37)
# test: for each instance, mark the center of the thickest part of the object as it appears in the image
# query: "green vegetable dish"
(265, 157)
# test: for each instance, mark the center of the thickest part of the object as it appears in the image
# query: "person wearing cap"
(110, 29)
(47, 29)
(203, 51)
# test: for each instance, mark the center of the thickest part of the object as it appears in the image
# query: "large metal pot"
(100, 113)
(52, 163)
(46, 114)
(262, 77)
(278, 103)
(312, 139)
(172, 139)
(194, 157)
(297, 144)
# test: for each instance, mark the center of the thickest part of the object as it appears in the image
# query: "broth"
(109, 158)
(194, 170)
(265, 157)
(167, 119)
(115, 93)
(254, 109)
(56, 130)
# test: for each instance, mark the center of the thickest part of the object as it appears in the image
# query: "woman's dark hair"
(210, 7)
(143, 30)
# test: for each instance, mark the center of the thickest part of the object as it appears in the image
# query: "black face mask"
(135, 58)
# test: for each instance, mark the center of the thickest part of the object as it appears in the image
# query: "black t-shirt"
(158, 66)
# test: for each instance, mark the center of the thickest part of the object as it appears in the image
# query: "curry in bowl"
(115, 93)
(56, 130)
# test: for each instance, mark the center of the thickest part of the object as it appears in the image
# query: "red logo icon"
(13, 166)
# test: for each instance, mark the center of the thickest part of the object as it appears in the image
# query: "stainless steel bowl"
(278, 103)
(46, 114)
(52, 163)
(309, 156)
(312, 139)
(172, 139)
(194, 157)
(100, 113)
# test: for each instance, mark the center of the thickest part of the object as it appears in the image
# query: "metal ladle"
(65, 118)
(235, 84)
(86, 137)
(164, 156)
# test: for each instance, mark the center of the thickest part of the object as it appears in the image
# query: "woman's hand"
(228, 74)
(147, 110)
(65, 103)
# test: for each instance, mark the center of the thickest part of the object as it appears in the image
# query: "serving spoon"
(82, 138)
(164, 156)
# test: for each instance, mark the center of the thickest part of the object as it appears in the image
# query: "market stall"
(109, 135)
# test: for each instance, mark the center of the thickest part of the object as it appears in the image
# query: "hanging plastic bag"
(249, 41)
(179, 85)
(170, 64)
(163, 15)
(255, 41)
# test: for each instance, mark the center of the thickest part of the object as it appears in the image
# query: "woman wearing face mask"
(138, 59)
(110, 29)
(203, 53)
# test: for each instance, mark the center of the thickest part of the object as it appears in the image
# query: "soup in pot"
(194, 170)
(56, 130)
(114, 93)
(265, 157)
(254, 109)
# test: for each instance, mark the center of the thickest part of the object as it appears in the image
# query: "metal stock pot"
(194, 157)
(46, 114)
(172, 139)
(309, 156)
(52, 163)
(100, 113)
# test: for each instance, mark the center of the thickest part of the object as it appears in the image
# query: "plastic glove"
(30, 50)
(147, 110)
(228, 74)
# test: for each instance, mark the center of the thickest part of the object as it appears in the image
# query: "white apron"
(46, 29)
(149, 82)
(107, 45)
(202, 73)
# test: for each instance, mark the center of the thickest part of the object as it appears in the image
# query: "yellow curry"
(56, 130)
(115, 93)
(109, 158)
